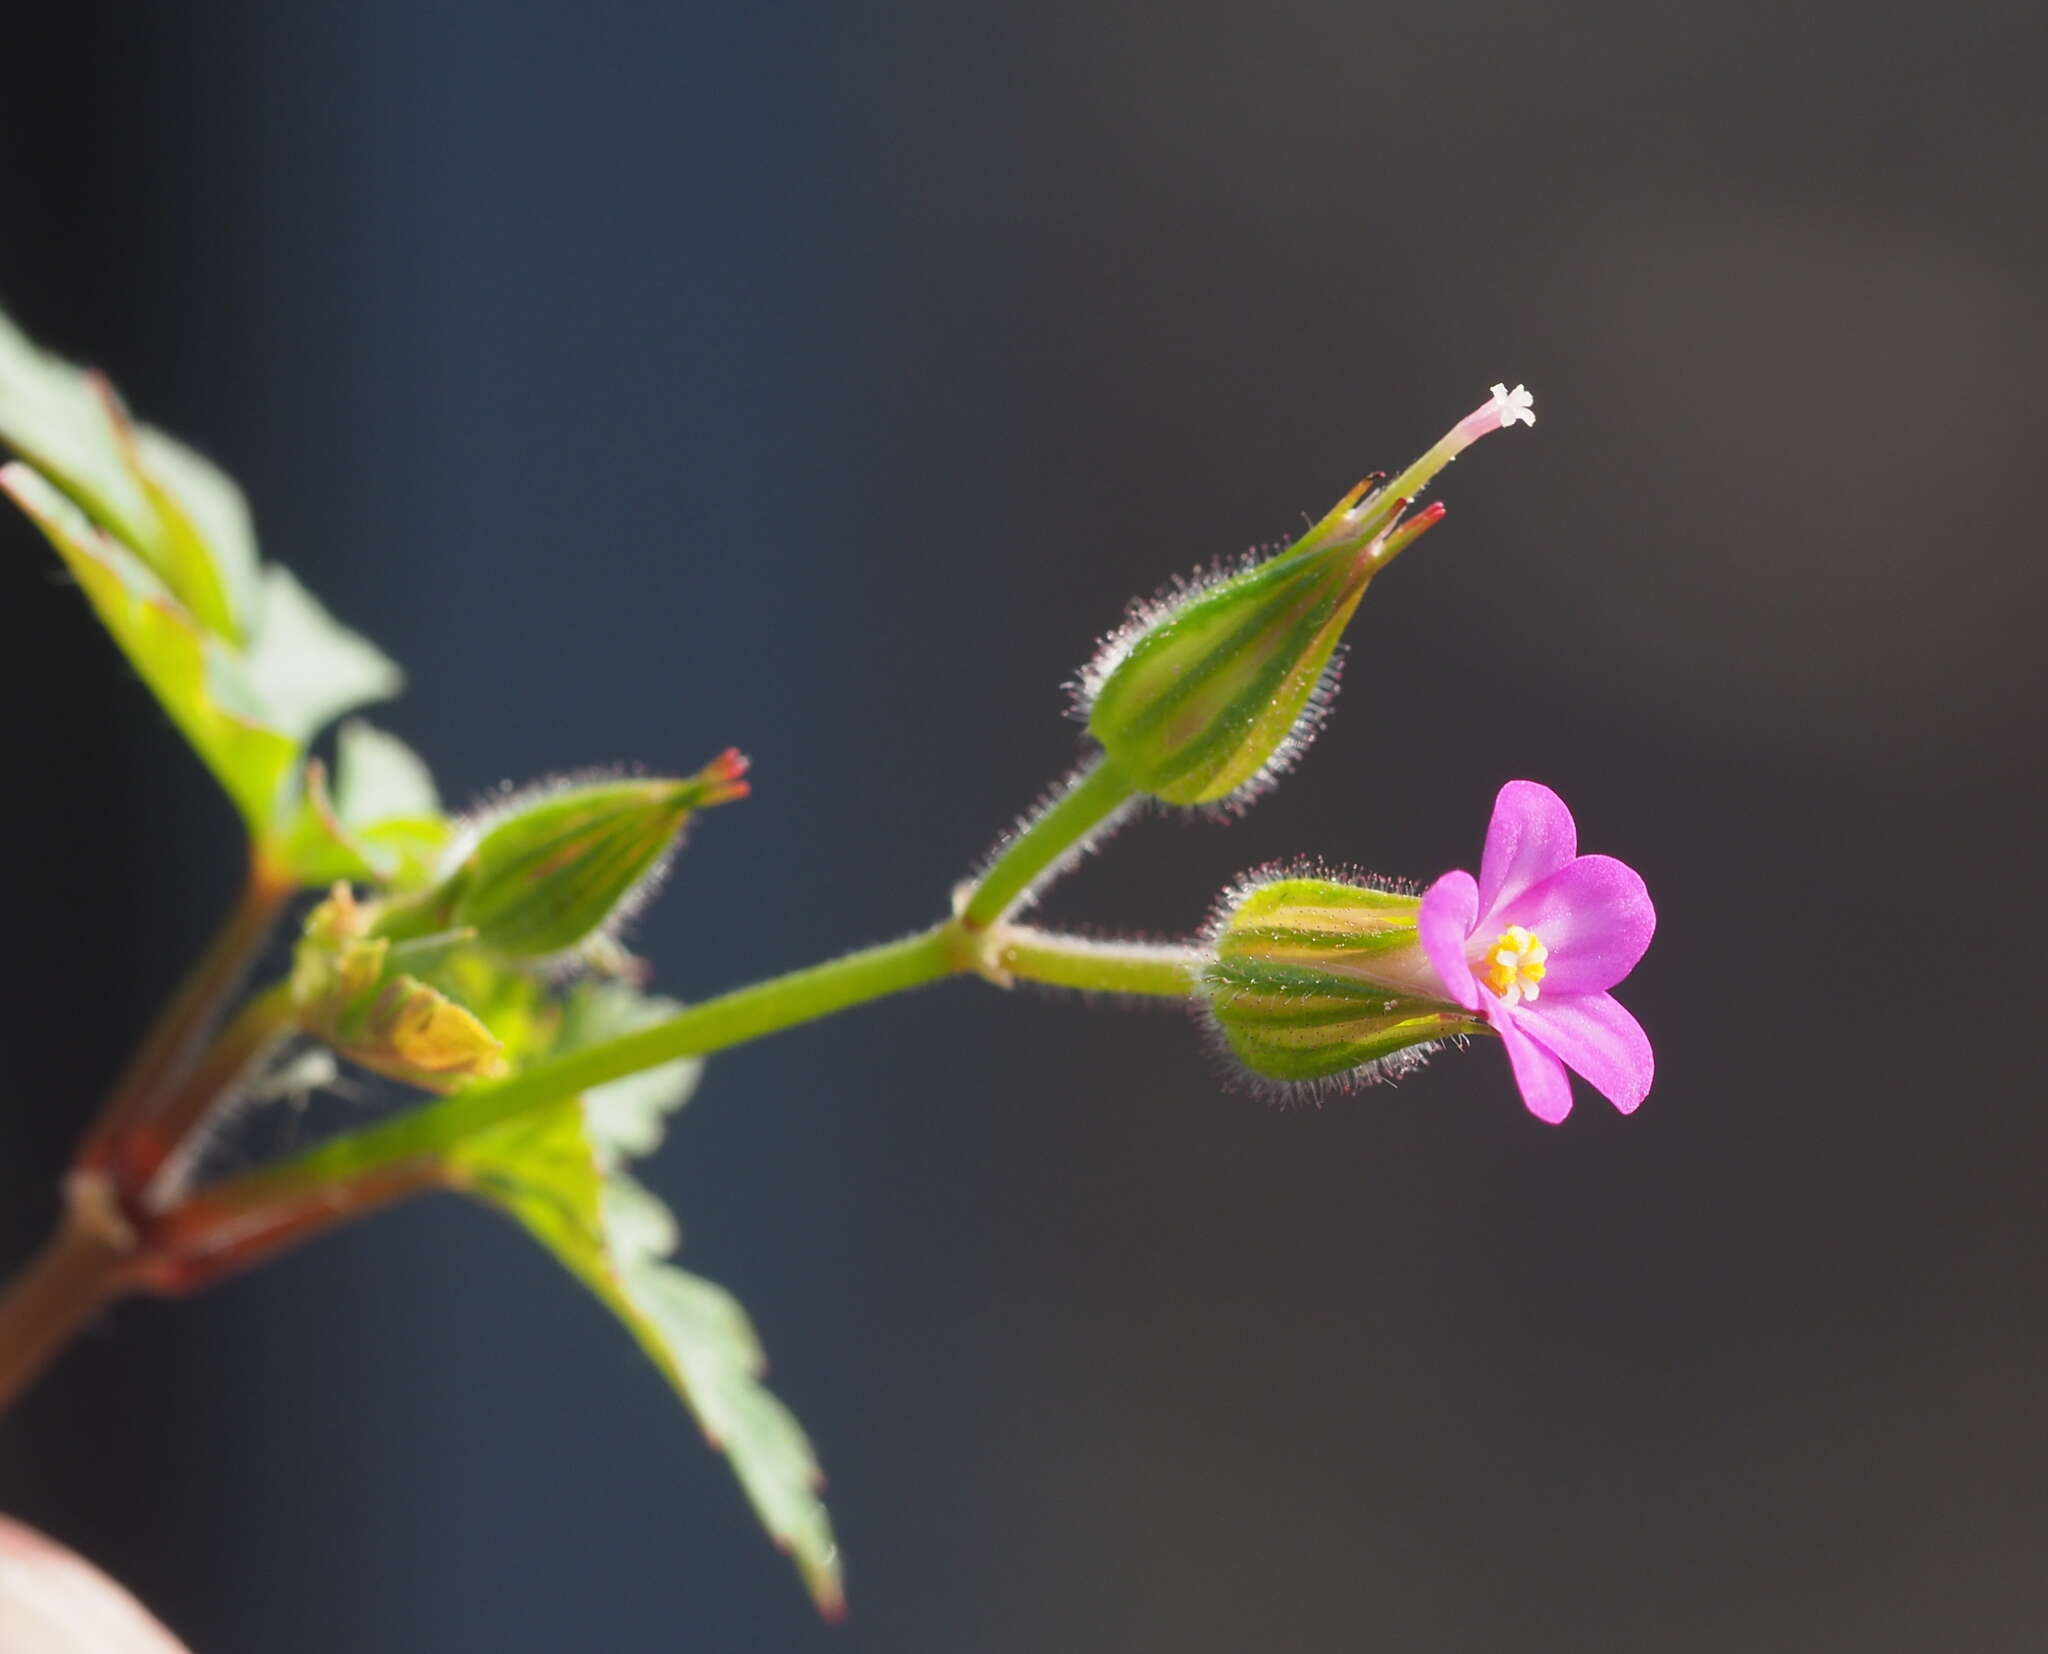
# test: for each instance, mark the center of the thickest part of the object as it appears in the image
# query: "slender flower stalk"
(1147, 970)
(714, 1025)
(184, 1239)
(1143, 969)
(1089, 803)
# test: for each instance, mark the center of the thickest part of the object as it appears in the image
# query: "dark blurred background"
(822, 379)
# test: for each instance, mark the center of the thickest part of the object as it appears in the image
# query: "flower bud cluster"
(544, 877)
(348, 994)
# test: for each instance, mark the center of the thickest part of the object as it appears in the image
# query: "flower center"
(1514, 965)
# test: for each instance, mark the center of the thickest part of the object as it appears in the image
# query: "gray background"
(822, 379)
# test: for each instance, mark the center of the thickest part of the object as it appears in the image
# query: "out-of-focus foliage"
(245, 661)
(434, 977)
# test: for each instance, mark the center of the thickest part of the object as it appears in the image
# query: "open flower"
(1320, 978)
(1534, 943)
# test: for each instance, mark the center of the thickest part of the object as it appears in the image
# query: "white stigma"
(1510, 406)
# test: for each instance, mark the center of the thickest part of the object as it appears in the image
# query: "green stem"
(247, 1219)
(1156, 969)
(731, 1019)
(244, 1220)
(1095, 793)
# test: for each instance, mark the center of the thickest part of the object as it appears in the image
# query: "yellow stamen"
(1515, 965)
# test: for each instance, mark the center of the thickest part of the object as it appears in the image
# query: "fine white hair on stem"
(1068, 858)
(1082, 940)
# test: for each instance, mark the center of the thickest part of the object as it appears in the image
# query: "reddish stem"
(82, 1268)
(177, 1119)
(94, 1258)
(120, 1143)
(207, 1238)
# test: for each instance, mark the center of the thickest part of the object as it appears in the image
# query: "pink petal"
(1546, 1088)
(1530, 837)
(1598, 1040)
(1448, 908)
(1595, 918)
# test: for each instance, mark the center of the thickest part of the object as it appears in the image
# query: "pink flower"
(1535, 942)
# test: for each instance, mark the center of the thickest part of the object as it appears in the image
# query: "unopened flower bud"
(549, 873)
(347, 994)
(1213, 687)
(1314, 978)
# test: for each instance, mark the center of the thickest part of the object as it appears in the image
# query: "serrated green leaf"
(381, 823)
(305, 669)
(194, 677)
(175, 510)
(377, 777)
(545, 1171)
(245, 661)
(248, 717)
(55, 416)
(214, 509)
(637, 1221)
(314, 844)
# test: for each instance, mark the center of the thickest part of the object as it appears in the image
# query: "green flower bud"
(1213, 688)
(1313, 979)
(396, 1025)
(549, 873)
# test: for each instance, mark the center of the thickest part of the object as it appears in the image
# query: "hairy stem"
(1094, 795)
(246, 1220)
(95, 1257)
(1166, 970)
(731, 1019)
